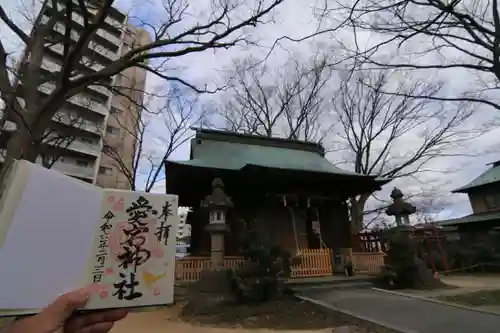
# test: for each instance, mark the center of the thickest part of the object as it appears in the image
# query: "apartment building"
(96, 118)
(120, 133)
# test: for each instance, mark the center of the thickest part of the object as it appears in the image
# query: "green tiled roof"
(490, 176)
(235, 156)
(484, 217)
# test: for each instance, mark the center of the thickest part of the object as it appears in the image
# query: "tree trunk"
(14, 152)
(357, 212)
(22, 145)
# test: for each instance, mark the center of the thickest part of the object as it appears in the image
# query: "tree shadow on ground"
(286, 313)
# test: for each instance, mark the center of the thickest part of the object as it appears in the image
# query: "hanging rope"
(294, 227)
(295, 231)
(321, 243)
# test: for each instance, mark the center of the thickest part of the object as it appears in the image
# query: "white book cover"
(58, 234)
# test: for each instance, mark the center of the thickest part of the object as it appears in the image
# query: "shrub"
(403, 268)
(262, 275)
(475, 253)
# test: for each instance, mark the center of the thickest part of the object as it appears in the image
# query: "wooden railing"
(313, 262)
(369, 242)
(189, 268)
(367, 263)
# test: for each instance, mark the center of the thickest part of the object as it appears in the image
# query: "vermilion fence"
(314, 262)
(189, 268)
(367, 263)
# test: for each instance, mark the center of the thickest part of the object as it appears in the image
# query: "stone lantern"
(213, 287)
(400, 209)
(217, 203)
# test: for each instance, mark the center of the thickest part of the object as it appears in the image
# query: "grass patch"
(476, 298)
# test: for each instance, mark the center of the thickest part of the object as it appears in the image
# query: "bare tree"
(174, 118)
(395, 135)
(288, 102)
(58, 137)
(425, 35)
(35, 95)
(63, 131)
(429, 207)
(428, 202)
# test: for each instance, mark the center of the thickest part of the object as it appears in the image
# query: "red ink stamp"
(95, 288)
(103, 294)
(158, 253)
(117, 205)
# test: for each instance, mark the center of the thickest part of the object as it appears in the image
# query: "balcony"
(113, 56)
(103, 51)
(63, 117)
(93, 149)
(101, 32)
(69, 118)
(54, 67)
(71, 169)
(79, 100)
(79, 145)
(89, 63)
(68, 166)
(61, 28)
(78, 18)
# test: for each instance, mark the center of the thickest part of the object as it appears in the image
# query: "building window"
(107, 149)
(82, 163)
(105, 170)
(492, 201)
(112, 130)
(87, 140)
(115, 110)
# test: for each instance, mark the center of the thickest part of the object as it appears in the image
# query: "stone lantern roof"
(218, 198)
(399, 207)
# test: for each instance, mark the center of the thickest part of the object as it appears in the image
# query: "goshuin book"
(58, 233)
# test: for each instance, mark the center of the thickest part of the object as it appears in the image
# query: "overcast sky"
(296, 19)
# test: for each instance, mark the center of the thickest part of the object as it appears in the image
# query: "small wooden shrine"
(293, 194)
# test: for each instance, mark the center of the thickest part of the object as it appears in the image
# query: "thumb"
(64, 306)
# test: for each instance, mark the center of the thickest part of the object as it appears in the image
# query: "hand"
(59, 317)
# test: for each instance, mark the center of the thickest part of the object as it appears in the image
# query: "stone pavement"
(412, 315)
